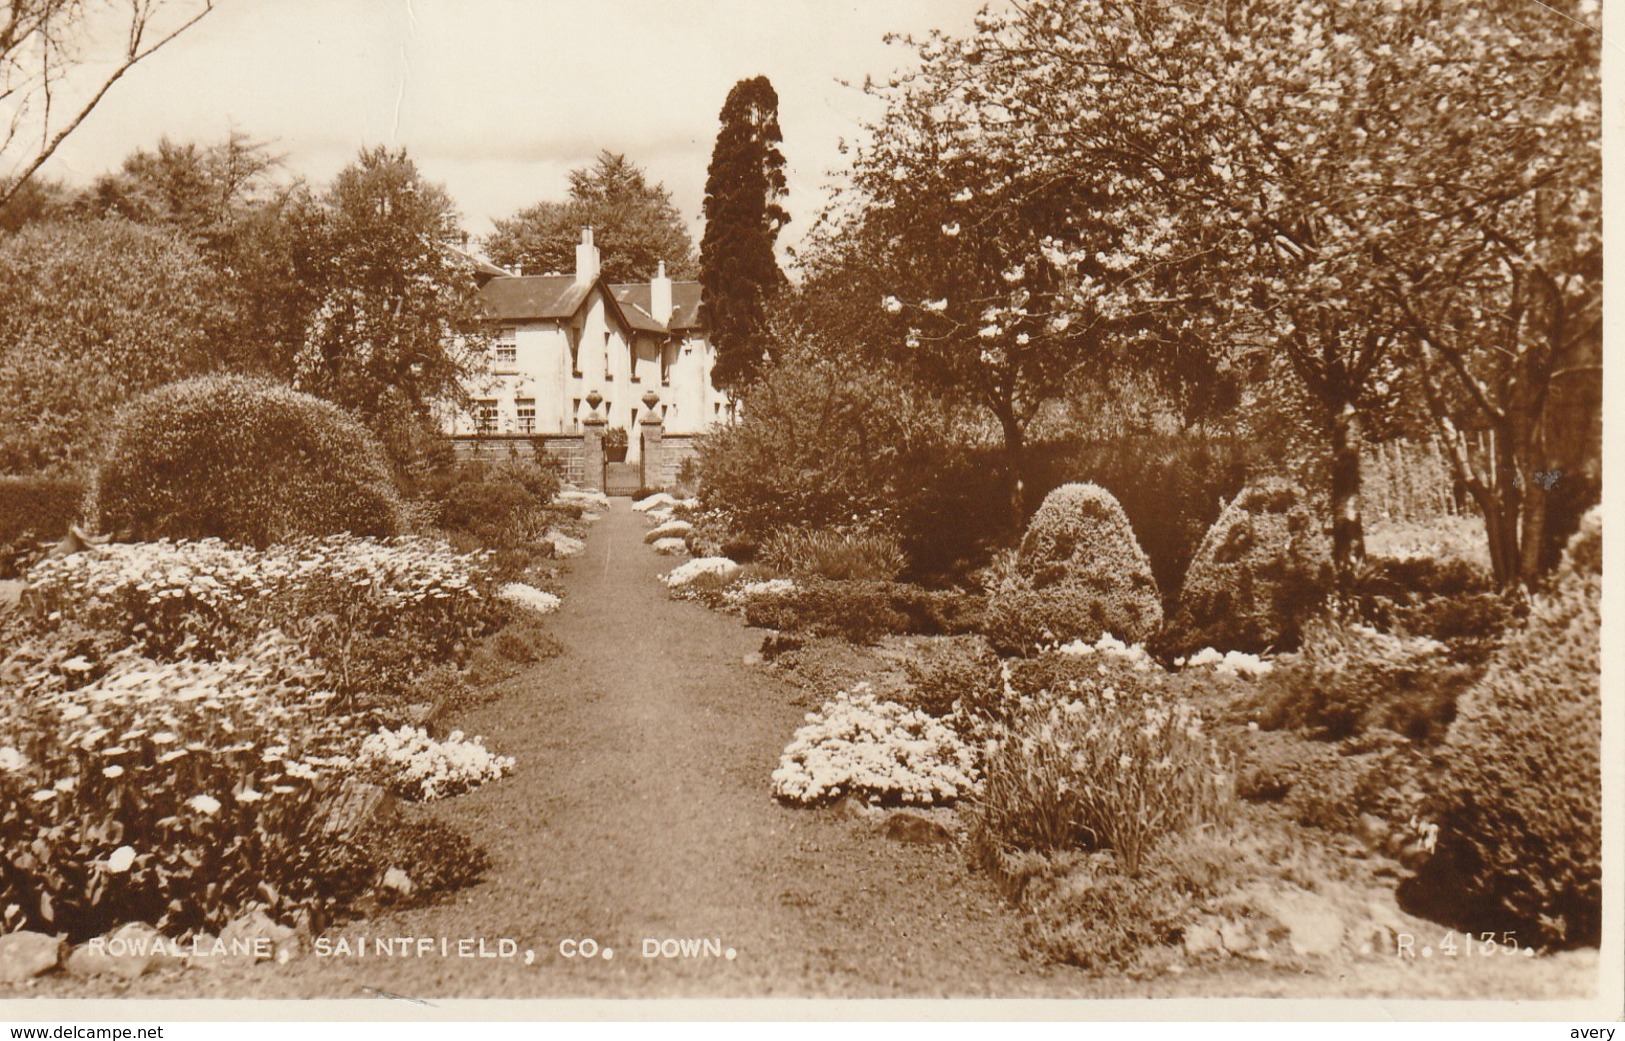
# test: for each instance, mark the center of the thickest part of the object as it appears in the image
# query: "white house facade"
(562, 342)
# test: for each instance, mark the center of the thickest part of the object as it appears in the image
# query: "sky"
(499, 99)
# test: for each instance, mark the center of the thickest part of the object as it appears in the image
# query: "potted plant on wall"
(615, 444)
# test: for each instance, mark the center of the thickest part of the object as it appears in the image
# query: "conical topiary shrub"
(1080, 574)
(1259, 574)
(243, 460)
(1518, 796)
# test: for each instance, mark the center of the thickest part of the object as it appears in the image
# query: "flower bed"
(176, 716)
(166, 792)
(1100, 766)
(875, 750)
(373, 613)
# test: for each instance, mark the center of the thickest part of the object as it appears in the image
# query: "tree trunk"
(1348, 527)
(1015, 458)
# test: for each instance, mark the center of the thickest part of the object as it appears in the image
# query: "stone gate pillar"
(592, 451)
(654, 462)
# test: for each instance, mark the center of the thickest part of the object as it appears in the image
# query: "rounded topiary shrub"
(1080, 574)
(1260, 572)
(243, 460)
(1518, 797)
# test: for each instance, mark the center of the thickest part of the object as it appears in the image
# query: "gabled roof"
(559, 297)
(535, 296)
(685, 302)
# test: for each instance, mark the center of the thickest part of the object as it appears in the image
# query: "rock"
(912, 828)
(24, 955)
(256, 937)
(1374, 831)
(399, 881)
(776, 643)
(1200, 938)
(1235, 937)
(753, 658)
(130, 951)
(1313, 925)
(847, 806)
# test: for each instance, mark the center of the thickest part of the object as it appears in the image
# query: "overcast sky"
(499, 99)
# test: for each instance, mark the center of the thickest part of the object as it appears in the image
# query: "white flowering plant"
(738, 596)
(683, 574)
(372, 612)
(877, 751)
(1100, 764)
(416, 766)
(170, 792)
(529, 597)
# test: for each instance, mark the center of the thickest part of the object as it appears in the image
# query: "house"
(563, 342)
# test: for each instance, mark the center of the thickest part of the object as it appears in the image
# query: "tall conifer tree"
(743, 190)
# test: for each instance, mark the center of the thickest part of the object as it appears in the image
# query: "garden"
(1261, 766)
(224, 719)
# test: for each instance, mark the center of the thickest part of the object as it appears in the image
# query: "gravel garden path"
(639, 811)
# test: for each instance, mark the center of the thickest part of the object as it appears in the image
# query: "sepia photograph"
(1095, 500)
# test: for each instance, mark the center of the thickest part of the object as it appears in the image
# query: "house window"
(606, 354)
(526, 410)
(665, 365)
(507, 346)
(573, 338)
(575, 415)
(485, 416)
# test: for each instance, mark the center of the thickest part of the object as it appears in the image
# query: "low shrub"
(963, 671)
(1101, 765)
(1080, 574)
(435, 857)
(1262, 569)
(525, 641)
(1451, 599)
(823, 442)
(831, 554)
(34, 510)
(1349, 678)
(1518, 797)
(242, 460)
(874, 750)
(501, 505)
(858, 611)
(1024, 621)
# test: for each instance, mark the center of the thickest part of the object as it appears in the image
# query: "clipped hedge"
(1518, 802)
(1080, 574)
(1259, 573)
(243, 460)
(863, 610)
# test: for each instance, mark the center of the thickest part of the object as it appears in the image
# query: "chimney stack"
(586, 258)
(660, 296)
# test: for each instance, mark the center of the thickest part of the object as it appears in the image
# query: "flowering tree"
(973, 242)
(1501, 298)
(1257, 175)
